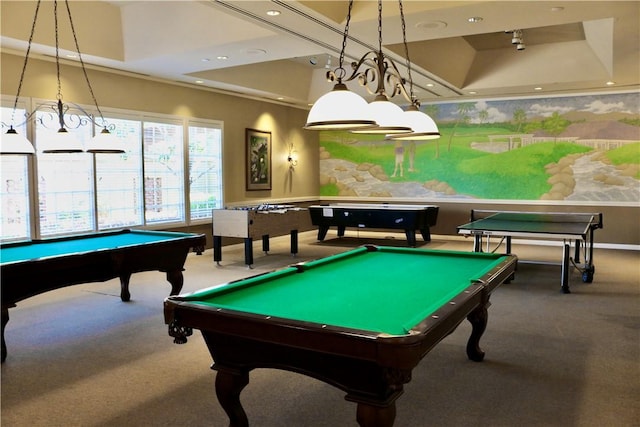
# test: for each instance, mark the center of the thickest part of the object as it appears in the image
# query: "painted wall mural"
(571, 148)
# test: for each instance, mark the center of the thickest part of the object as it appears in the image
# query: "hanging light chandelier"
(339, 109)
(342, 109)
(66, 115)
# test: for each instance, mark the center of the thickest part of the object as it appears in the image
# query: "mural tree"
(462, 109)
(519, 118)
(483, 116)
(554, 125)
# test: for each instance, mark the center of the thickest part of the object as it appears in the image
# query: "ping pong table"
(577, 228)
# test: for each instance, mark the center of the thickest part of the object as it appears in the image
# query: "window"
(119, 184)
(149, 185)
(15, 197)
(65, 182)
(163, 172)
(205, 170)
(14, 185)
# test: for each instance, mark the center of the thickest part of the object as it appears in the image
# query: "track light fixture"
(517, 39)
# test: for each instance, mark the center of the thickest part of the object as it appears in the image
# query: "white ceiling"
(571, 46)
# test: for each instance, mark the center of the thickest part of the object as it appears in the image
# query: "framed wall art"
(258, 146)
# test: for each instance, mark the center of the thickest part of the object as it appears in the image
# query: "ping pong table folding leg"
(565, 268)
(589, 268)
(477, 243)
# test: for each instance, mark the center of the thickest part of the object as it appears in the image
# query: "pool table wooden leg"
(229, 385)
(478, 319)
(5, 320)
(176, 279)
(376, 416)
(125, 295)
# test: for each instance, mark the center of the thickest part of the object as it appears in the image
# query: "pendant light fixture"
(61, 141)
(379, 68)
(339, 109)
(332, 112)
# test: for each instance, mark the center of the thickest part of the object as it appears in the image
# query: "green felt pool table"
(37, 266)
(359, 320)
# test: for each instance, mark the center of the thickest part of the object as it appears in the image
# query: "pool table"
(360, 320)
(37, 266)
(408, 218)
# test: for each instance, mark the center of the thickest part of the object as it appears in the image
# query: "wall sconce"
(292, 158)
(293, 161)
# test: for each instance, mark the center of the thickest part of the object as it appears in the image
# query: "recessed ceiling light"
(253, 51)
(71, 55)
(473, 92)
(430, 84)
(537, 88)
(610, 83)
(431, 25)
(280, 98)
(222, 57)
(474, 19)
(273, 12)
(199, 82)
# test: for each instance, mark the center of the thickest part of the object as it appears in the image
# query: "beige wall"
(237, 114)
(621, 224)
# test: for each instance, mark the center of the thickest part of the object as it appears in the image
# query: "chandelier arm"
(393, 73)
(76, 115)
(377, 65)
(24, 66)
(369, 58)
(84, 71)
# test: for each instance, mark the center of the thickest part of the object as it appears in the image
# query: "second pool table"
(359, 320)
(34, 267)
(408, 218)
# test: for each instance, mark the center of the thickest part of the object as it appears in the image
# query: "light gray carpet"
(80, 357)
